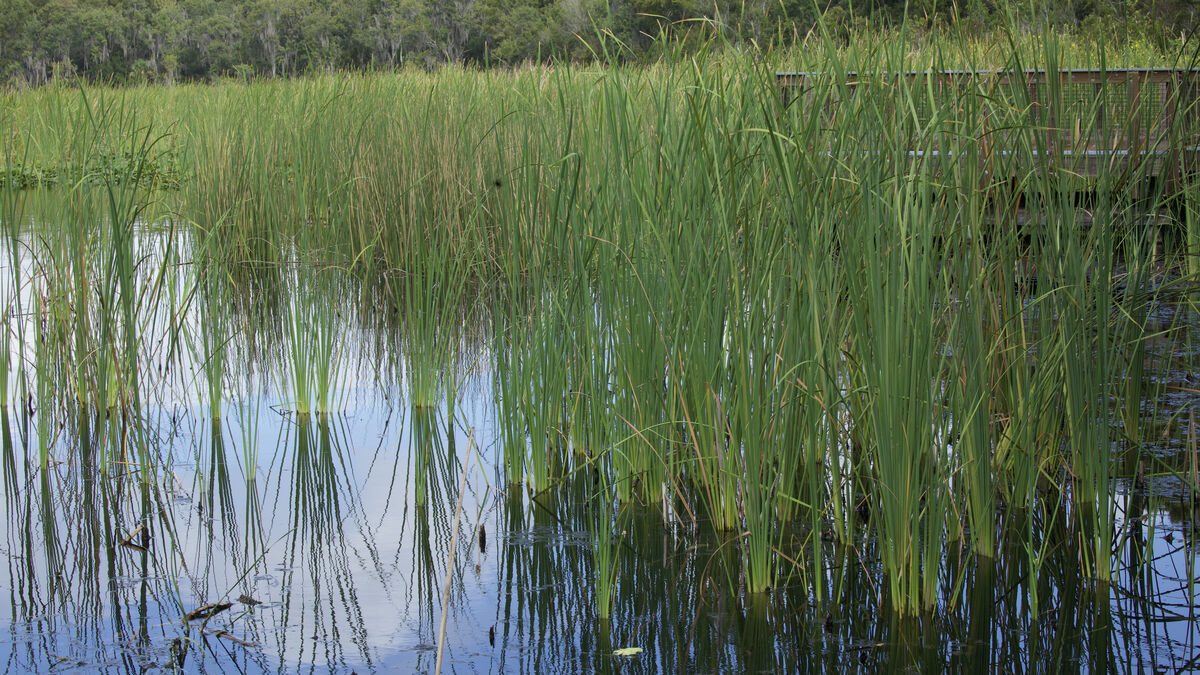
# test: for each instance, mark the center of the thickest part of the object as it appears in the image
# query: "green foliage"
(161, 170)
(785, 318)
(166, 41)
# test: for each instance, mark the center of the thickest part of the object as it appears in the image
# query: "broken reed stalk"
(462, 485)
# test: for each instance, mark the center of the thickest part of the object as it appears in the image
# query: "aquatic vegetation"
(879, 306)
(160, 170)
(606, 527)
(210, 342)
(1192, 229)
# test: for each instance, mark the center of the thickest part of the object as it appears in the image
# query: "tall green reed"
(606, 527)
(880, 303)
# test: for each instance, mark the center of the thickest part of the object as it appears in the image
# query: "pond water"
(330, 566)
(269, 541)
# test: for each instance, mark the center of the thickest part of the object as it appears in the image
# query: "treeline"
(171, 40)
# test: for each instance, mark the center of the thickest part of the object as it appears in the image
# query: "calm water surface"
(330, 537)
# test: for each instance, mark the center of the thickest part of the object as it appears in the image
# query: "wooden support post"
(1170, 92)
(1133, 125)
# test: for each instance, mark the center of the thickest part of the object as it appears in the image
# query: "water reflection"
(329, 537)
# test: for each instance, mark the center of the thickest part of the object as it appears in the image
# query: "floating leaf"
(627, 651)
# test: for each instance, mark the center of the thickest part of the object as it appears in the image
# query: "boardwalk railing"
(1142, 120)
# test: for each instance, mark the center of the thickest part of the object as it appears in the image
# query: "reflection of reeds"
(450, 555)
(321, 496)
(432, 456)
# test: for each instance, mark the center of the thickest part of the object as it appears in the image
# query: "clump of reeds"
(875, 306)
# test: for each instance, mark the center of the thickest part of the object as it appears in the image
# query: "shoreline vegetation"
(771, 319)
(130, 43)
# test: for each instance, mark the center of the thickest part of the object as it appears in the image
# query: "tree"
(452, 23)
(523, 30)
(163, 38)
(318, 30)
(99, 28)
(52, 32)
(395, 28)
(16, 45)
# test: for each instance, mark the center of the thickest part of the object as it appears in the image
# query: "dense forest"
(172, 40)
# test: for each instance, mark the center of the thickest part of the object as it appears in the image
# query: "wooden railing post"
(1159, 127)
(1132, 124)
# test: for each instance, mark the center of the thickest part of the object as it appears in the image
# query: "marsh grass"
(1192, 228)
(211, 340)
(747, 317)
(607, 528)
(871, 309)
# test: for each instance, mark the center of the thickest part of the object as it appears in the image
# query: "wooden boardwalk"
(1134, 121)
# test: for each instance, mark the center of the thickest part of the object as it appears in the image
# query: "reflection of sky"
(354, 583)
(350, 570)
(170, 332)
(344, 578)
